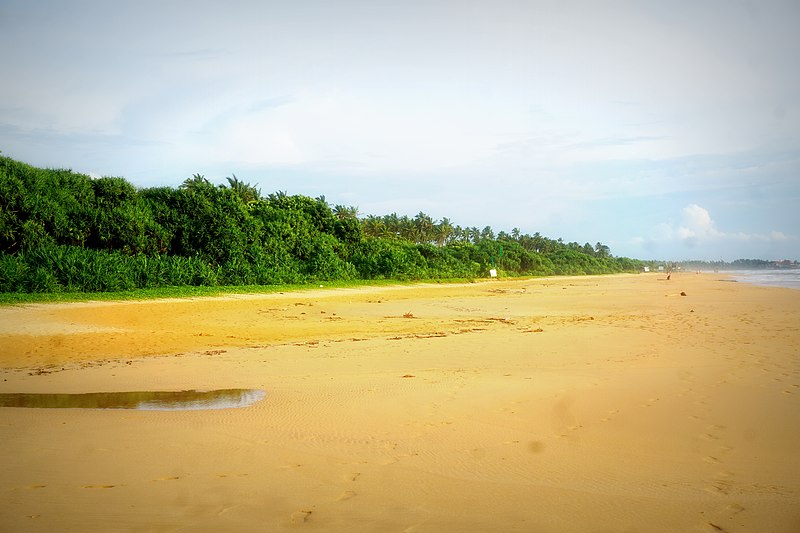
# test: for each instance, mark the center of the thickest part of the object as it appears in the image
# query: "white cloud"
(697, 226)
(699, 230)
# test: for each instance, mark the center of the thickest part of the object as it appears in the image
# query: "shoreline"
(541, 404)
(783, 278)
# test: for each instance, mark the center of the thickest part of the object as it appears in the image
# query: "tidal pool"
(191, 400)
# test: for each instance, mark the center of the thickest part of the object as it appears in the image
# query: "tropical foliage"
(64, 231)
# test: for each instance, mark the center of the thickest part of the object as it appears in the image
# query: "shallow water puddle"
(191, 400)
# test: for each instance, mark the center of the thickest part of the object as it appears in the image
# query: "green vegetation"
(64, 232)
(190, 291)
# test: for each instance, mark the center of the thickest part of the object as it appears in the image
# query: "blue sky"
(667, 130)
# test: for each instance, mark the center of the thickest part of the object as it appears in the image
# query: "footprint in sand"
(536, 446)
(301, 516)
(609, 416)
(649, 402)
(166, 478)
(720, 486)
(346, 495)
(226, 509)
(734, 509)
(716, 527)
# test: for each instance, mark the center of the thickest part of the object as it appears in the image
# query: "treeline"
(738, 264)
(64, 231)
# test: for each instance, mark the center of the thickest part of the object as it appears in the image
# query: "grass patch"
(19, 298)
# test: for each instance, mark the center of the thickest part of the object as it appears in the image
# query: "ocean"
(785, 277)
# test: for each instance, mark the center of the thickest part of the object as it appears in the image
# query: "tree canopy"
(65, 231)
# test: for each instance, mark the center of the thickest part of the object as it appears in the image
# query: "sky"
(665, 130)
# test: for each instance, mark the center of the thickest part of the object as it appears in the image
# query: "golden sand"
(564, 404)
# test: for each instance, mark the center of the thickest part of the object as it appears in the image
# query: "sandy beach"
(598, 404)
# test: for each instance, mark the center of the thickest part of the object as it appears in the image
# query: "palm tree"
(602, 250)
(443, 232)
(197, 181)
(345, 212)
(248, 193)
(277, 195)
(539, 243)
(424, 227)
(474, 234)
(390, 224)
(459, 234)
(374, 226)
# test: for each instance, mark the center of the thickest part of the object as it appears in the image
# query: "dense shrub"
(62, 231)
